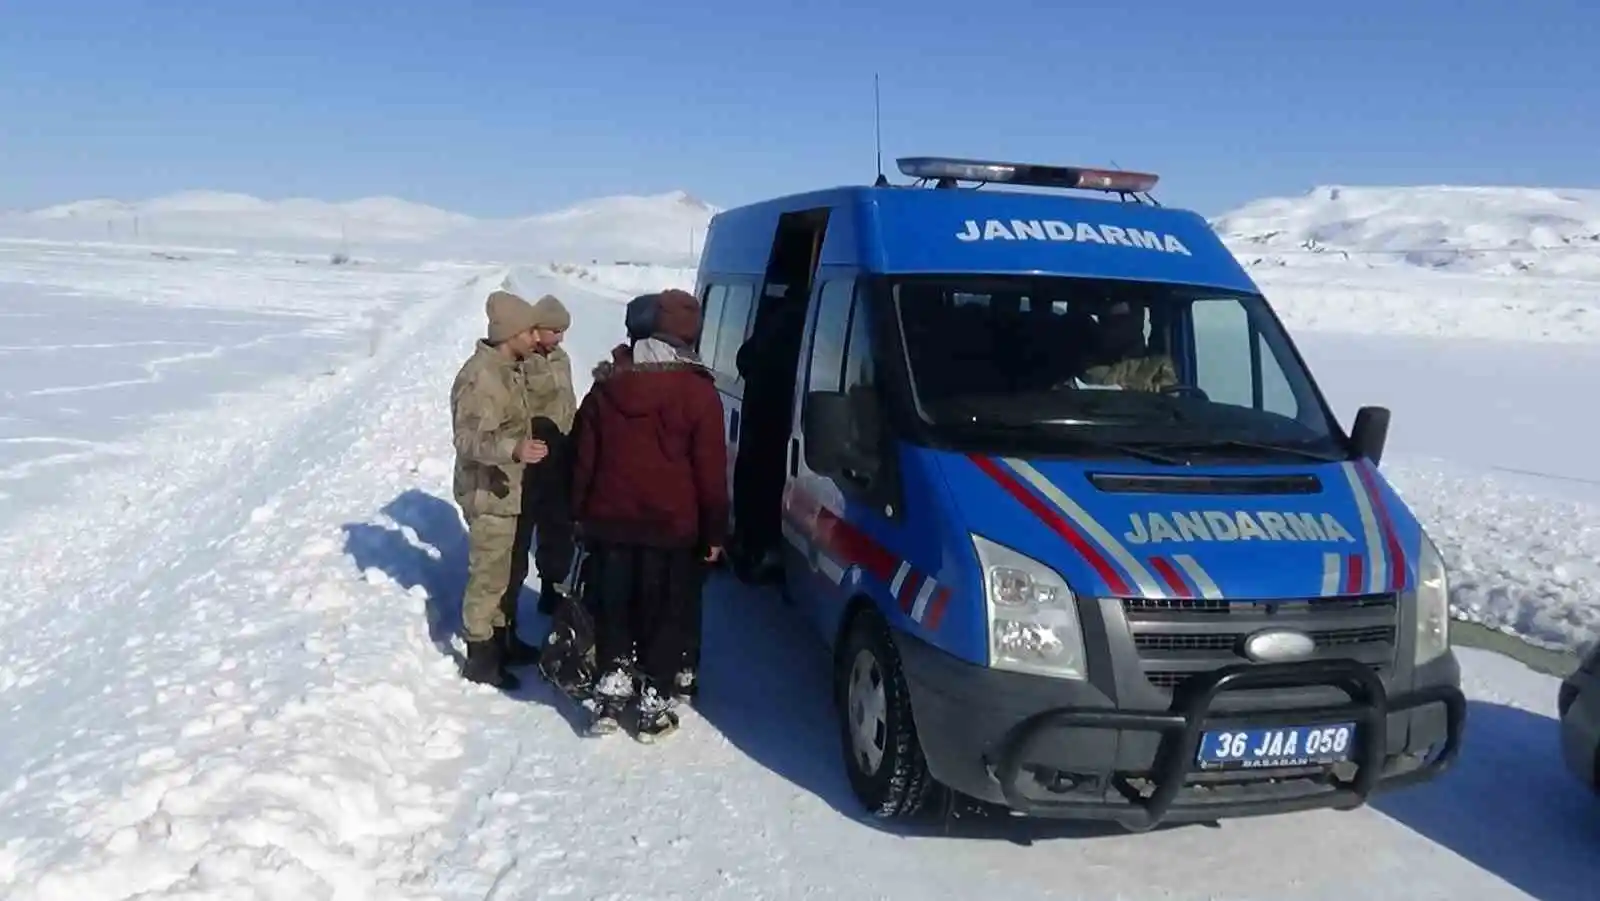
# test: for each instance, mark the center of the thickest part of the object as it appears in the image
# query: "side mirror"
(1370, 432)
(827, 426)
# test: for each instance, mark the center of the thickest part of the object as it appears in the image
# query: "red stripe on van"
(1170, 575)
(1354, 565)
(1397, 554)
(854, 546)
(1056, 522)
(936, 607)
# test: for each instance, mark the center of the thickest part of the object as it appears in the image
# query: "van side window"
(733, 327)
(860, 385)
(828, 340)
(859, 372)
(711, 304)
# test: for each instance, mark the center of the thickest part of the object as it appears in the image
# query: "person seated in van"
(1122, 358)
(650, 495)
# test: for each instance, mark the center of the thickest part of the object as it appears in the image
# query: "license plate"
(1253, 749)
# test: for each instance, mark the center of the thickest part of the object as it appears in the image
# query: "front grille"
(1179, 639)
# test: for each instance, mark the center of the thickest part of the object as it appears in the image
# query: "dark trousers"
(647, 607)
(758, 481)
(545, 524)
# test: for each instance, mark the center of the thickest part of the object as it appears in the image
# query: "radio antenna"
(877, 130)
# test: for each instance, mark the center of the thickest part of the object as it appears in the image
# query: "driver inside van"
(1123, 359)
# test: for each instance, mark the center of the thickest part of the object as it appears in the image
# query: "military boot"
(486, 665)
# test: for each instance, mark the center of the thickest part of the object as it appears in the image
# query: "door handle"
(733, 425)
(794, 457)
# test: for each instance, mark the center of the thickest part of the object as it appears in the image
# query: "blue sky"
(515, 107)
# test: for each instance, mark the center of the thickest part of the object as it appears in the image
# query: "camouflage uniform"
(1152, 373)
(497, 403)
(489, 405)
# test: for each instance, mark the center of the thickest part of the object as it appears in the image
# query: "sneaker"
(657, 727)
(614, 685)
(656, 716)
(605, 720)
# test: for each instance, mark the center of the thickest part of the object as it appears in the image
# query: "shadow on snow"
(427, 546)
(765, 686)
(1509, 806)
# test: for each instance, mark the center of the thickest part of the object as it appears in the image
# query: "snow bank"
(234, 721)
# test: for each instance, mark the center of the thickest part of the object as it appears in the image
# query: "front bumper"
(1054, 748)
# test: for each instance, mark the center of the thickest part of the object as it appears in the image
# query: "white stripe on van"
(1377, 570)
(1197, 574)
(1090, 526)
(1332, 564)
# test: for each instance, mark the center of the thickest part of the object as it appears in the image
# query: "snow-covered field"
(224, 659)
(99, 344)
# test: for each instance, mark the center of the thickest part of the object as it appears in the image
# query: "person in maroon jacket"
(650, 496)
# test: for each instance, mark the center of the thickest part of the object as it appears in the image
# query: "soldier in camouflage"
(517, 374)
(1127, 361)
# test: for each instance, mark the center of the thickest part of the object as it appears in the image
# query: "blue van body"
(1172, 565)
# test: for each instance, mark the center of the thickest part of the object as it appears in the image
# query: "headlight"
(1033, 616)
(1433, 604)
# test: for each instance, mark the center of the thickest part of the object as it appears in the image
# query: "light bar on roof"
(1116, 181)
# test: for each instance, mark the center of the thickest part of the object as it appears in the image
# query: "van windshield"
(1158, 370)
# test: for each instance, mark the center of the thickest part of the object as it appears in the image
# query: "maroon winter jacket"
(650, 463)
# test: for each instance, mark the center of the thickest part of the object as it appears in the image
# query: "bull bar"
(1369, 708)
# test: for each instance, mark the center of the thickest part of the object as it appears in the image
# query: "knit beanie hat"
(551, 313)
(508, 315)
(640, 317)
(678, 317)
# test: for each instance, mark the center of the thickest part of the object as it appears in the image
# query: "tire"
(888, 772)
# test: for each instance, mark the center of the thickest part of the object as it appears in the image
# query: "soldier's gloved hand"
(531, 451)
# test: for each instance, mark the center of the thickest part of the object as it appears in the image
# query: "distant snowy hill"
(1553, 232)
(222, 217)
(1468, 230)
(664, 229)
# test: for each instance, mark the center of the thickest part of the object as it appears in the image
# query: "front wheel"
(882, 753)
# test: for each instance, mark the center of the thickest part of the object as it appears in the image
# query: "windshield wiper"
(1322, 456)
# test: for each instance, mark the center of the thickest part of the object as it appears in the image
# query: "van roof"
(911, 230)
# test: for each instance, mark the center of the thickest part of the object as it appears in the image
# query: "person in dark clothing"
(548, 510)
(650, 495)
(766, 362)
